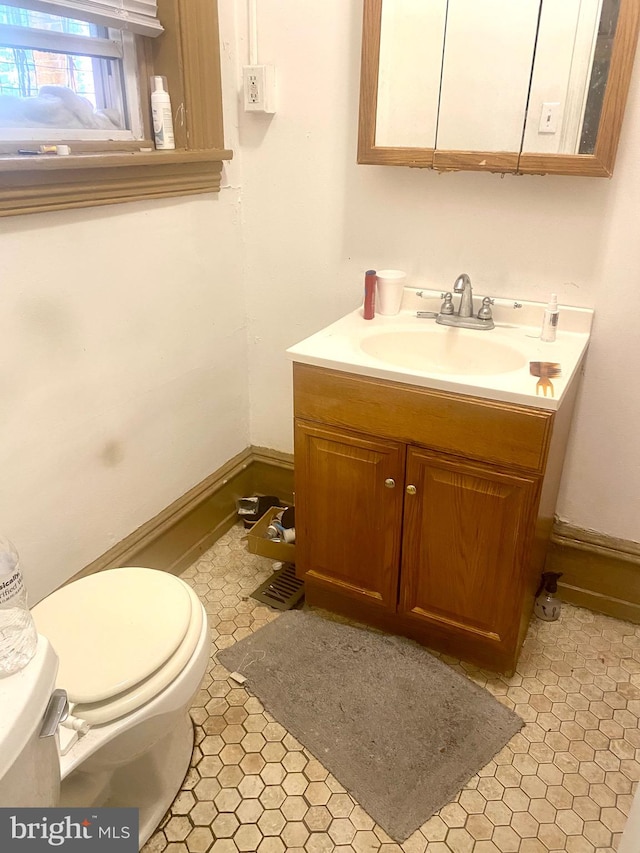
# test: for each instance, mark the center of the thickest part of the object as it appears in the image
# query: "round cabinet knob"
(411, 490)
(390, 483)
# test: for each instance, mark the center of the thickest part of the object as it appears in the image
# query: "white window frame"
(120, 45)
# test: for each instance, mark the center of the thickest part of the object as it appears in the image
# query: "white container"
(18, 637)
(390, 289)
(162, 117)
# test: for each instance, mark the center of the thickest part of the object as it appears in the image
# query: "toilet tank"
(29, 764)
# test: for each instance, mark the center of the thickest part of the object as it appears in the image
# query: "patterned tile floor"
(564, 784)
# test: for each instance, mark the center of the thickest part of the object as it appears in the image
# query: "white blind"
(138, 16)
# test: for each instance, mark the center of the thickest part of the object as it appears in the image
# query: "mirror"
(532, 86)
(569, 80)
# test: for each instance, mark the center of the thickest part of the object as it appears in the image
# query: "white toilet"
(131, 647)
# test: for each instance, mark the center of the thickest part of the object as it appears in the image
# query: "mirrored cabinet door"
(564, 71)
(485, 78)
(411, 47)
(496, 85)
(584, 60)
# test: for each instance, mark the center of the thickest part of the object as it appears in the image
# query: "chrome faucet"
(463, 285)
(463, 317)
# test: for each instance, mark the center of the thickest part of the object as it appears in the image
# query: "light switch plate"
(549, 117)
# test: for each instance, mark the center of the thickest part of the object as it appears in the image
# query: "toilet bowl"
(133, 646)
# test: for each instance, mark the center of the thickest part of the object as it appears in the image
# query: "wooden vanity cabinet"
(424, 513)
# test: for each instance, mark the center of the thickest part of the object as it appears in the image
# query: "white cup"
(390, 288)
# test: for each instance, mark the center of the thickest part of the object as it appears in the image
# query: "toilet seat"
(128, 701)
(122, 636)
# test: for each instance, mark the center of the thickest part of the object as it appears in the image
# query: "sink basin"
(492, 364)
(458, 352)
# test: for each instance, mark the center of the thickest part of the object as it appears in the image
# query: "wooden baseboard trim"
(176, 537)
(599, 543)
(600, 572)
(272, 457)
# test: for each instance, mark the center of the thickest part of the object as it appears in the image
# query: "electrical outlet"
(259, 84)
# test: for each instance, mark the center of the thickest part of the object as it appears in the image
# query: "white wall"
(123, 366)
(122, 374)
(314, 221)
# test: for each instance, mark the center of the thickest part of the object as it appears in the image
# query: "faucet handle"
(485, 312)
(447, 305)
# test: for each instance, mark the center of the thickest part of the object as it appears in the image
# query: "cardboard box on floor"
(257, 543)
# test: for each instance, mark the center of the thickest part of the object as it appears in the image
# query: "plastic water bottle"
(18, 636)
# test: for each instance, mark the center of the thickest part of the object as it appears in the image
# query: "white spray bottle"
(547, 605)
(161, 114)
(550, 320)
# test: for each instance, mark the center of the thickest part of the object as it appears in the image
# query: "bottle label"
(157, 125)
(11, 586)
(554, 319)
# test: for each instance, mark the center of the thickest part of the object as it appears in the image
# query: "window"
(68, 79)
(101, 64)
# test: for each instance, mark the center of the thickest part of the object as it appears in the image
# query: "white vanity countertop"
(491, 364)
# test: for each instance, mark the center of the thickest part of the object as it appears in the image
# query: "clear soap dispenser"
(547, 606)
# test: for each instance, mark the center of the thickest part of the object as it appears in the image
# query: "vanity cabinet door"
(349, 512)
(467, 534)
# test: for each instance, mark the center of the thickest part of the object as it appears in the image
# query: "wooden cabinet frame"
(497, 462)
(188, 55)
(598, 164)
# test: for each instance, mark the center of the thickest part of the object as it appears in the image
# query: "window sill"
(49, 182)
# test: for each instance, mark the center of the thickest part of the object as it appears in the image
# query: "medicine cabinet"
(534, 86)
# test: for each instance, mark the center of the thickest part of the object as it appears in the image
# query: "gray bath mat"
(401, 731)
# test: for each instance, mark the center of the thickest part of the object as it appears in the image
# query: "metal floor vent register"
(283, 590)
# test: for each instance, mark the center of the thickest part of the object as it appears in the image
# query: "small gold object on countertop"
(545, 371)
